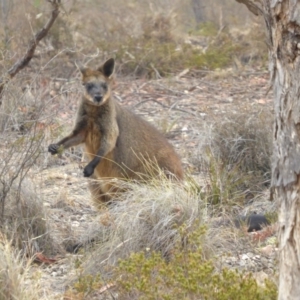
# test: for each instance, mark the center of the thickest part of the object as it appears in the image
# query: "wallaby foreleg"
(74, 139)
(105, 148)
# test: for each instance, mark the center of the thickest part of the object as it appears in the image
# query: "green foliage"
(186, 275)
(37, 3)
(217, 55)
(87, 284)
(206, 29)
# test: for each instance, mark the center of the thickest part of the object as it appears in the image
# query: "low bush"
(188, 275)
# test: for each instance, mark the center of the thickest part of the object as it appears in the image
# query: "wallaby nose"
(98, 98)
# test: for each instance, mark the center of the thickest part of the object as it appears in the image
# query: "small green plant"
(187, 275)
(87, 284)
(207, 29)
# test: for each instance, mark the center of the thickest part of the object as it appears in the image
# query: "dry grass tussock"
(234, 153)
(150, 217)
(15, 274)
(245, 140)
(24, 220)
(145, 218)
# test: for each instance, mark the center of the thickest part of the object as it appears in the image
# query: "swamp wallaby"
(118, 143)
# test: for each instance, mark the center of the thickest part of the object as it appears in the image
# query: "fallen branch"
(24, 61)
(254, 8)
(165, 106)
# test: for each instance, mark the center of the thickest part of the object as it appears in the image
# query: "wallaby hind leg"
(104, 192)
(99, 197)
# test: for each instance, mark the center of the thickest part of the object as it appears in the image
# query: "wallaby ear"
(107, 69)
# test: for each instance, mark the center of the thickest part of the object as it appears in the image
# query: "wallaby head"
(97, 82)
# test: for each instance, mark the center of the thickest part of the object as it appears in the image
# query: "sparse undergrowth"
(23, 136)
(157, 52)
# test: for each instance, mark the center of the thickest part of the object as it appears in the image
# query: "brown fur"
(118, 143)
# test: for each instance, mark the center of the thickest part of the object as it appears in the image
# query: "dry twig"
(24, 61)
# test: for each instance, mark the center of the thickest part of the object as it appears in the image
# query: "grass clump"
(146, 217)
(246, 141)
(224, 185)
(188, 275)
(236, 158)
(14, 274)
(24, 221)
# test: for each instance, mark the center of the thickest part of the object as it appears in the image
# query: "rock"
(254, 222)
(244, 257)
(54, 274)
(75, 224)
(242, 263)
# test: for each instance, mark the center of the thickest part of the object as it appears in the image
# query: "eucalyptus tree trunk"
(282, 18)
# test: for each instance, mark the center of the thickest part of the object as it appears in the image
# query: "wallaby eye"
(88, 86)
(104, 86)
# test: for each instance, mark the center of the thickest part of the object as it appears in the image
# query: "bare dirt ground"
(179, 106)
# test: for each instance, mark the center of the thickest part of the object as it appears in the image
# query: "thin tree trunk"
(282, 19)
(198, 10)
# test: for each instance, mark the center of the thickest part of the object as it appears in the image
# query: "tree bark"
(282, 18)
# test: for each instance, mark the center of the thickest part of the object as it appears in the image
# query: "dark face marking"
(96, 90)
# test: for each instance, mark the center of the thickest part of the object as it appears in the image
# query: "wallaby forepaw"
(53, 149)
(88, 171)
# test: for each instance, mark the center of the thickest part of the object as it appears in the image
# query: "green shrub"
(188, 275)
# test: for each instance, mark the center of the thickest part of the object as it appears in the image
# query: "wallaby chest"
(99, 126)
